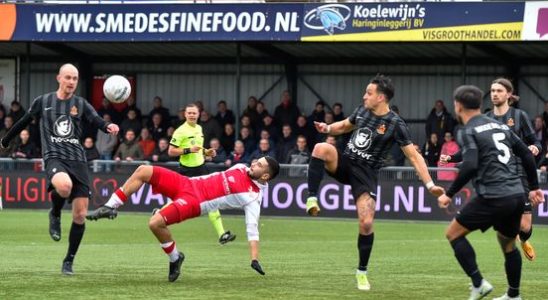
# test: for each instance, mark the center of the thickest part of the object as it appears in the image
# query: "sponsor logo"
(381, 129)
(542, 22)
(48, 108)
(63, 127)
(328, 18)
(362, 141)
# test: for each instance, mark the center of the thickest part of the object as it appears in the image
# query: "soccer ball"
(116, 89)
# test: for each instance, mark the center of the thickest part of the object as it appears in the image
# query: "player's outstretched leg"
(158, 226)
(323, 156)
(120, 196)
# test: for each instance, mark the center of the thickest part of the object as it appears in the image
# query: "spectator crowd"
(287, 134)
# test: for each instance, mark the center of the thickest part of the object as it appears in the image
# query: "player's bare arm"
(336, 128)
(420, 166)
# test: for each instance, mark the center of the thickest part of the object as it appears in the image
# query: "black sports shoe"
(54, 227)
(226, 237)
(101, 213)
(155, 211)
(67, 268)
(175, 268)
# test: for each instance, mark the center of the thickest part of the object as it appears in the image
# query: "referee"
(187, 143)
(62, 116)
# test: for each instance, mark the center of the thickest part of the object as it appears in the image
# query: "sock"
(467, 259)
(117, 199)
(75, 237)
(57, 203)
(524, 236)
(215, 219)
(171, 250)
(315, 175)
(512, 264)
(365, 245)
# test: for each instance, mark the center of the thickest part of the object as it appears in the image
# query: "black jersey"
(518, 121)
(497, 168)
(374, 135)
(61, 125)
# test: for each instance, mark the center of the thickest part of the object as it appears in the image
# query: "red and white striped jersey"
(232, 189)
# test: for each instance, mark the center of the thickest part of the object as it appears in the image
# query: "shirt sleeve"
(178, 136)
(252, 213)
(469, 164)
(94, 118)
(352, 117)
(36, 107)
(527, 131)
(401, 134)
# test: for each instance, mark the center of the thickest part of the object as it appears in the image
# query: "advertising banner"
(396, 200)
(413, 22)
(332, 22)
(535, 21)
(150, 22)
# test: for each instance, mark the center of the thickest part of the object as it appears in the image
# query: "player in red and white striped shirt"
(239, 187)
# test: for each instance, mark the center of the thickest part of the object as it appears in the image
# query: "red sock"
(121, 195)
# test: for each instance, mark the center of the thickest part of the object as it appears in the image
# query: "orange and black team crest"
(510, 122)
(381, 129)
(74, 110)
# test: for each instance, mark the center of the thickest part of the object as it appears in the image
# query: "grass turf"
(304, 258)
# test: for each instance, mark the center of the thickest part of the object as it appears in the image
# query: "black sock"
(315, 175)
(75, 237)
(365, 245)
(524, 236)
(467, 259)
(57, 203)
(512, 264)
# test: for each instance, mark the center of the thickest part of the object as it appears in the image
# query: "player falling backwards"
(239, 187)
(374, 129)
(62, 116)
(518, 121)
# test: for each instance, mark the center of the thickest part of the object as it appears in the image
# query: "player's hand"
(113, 129)
(321, 127)
(195, 149)
(444, 159)
(255, 265)
(533, 150)
(437, 191)
(210, 152)
(536, 197)
(443, 201)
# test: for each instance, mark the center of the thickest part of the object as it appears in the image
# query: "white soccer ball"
(116, 89)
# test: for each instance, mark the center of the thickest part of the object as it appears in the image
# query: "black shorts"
(504, 214)
(193, 171)
(528, 207)
(78, 172)
(361, 178)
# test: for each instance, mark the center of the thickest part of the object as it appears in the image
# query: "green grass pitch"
(304, 258)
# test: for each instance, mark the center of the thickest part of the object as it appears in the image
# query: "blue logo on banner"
(327, 17)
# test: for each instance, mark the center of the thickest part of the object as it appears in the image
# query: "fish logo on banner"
(328, 18)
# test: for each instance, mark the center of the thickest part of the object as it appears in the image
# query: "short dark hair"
(384, 85)
(469, 96)
(192, 104)
(273, 167)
